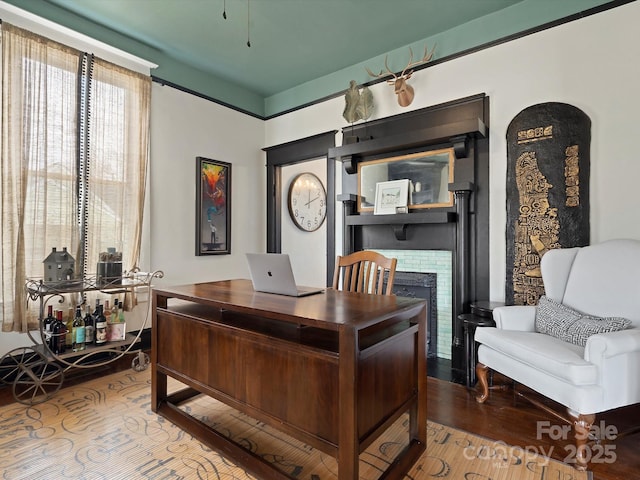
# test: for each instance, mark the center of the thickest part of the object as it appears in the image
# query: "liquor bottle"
(78, 333)
(89, 326)
(101, 326)
(120, 313)
(114, 312)
(47, 323)
(58, 334)
(69, 324)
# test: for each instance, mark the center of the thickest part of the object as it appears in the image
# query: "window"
(74, 156)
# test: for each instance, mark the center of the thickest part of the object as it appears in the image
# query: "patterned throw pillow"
(588, 325)
(560, 321)
(553, 318)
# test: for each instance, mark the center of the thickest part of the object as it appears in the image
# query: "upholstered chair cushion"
(547, 353)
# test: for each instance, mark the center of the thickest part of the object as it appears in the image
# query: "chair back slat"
(365, 272)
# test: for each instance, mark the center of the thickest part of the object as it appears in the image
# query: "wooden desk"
(333, 370)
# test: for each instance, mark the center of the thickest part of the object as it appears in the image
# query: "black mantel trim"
(399, 221)
(402, 218)
(446, 133)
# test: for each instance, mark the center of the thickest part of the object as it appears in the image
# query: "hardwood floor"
(515, 422)
(500, 418)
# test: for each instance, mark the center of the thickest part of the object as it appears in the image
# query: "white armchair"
(585, 371)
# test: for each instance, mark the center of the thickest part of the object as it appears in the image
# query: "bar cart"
(36, 373)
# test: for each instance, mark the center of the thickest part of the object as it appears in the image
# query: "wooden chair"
(364, 272)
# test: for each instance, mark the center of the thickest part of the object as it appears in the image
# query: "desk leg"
(158, 388)
(348, 442)
(418, 412)
(158, 380)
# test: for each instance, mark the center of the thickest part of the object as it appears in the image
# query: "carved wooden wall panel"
(548, 165)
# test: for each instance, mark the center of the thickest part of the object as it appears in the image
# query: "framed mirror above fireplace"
(429, 174)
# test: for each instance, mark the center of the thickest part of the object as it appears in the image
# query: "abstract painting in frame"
(213, 207)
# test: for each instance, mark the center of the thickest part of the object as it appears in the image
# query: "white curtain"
(41, 164)
(118, 157)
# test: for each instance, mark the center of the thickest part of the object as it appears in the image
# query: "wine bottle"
(58, 334)
(89, 327)
(78, 333)
(47, 323)
(101, 326)
(69, 324)
(95, 312)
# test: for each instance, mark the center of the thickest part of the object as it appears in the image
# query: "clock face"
(307, 202)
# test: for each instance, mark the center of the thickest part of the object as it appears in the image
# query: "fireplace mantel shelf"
(402, 218)
(399, 221)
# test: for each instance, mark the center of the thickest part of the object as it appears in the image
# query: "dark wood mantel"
(462, 228)
(455, 134)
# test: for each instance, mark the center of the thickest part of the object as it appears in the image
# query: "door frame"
(298, 151)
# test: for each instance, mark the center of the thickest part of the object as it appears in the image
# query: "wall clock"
(307, 202)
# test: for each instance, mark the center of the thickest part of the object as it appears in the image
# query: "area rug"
(105, 430)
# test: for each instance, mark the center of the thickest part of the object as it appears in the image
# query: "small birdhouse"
(58, 266)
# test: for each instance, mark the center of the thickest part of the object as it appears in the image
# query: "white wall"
(592, 63)
(184, 127)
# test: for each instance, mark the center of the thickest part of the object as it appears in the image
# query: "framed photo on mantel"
(213, 207)
(391, 195)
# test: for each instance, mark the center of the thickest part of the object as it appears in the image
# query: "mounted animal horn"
(403, 90)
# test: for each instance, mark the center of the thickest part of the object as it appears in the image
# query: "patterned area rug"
(105, 430)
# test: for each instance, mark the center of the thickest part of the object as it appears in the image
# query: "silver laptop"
(272, 273)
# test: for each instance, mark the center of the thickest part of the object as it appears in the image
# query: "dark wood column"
(462, 280)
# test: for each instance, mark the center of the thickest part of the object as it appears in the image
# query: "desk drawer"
(196, 350)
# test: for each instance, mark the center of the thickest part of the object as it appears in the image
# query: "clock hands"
(311, 200)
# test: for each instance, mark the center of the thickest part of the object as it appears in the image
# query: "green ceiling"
(301, 50)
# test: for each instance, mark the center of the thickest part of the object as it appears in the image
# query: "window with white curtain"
(75, 142)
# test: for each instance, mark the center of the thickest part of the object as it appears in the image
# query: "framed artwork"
(429, 175)
(213, 207)
(390, 195)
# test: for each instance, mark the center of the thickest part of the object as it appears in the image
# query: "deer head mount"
(403, 90)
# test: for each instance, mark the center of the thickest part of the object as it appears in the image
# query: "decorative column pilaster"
(349, 205)
(461, 292)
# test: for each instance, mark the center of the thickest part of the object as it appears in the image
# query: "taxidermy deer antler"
(404, 91)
